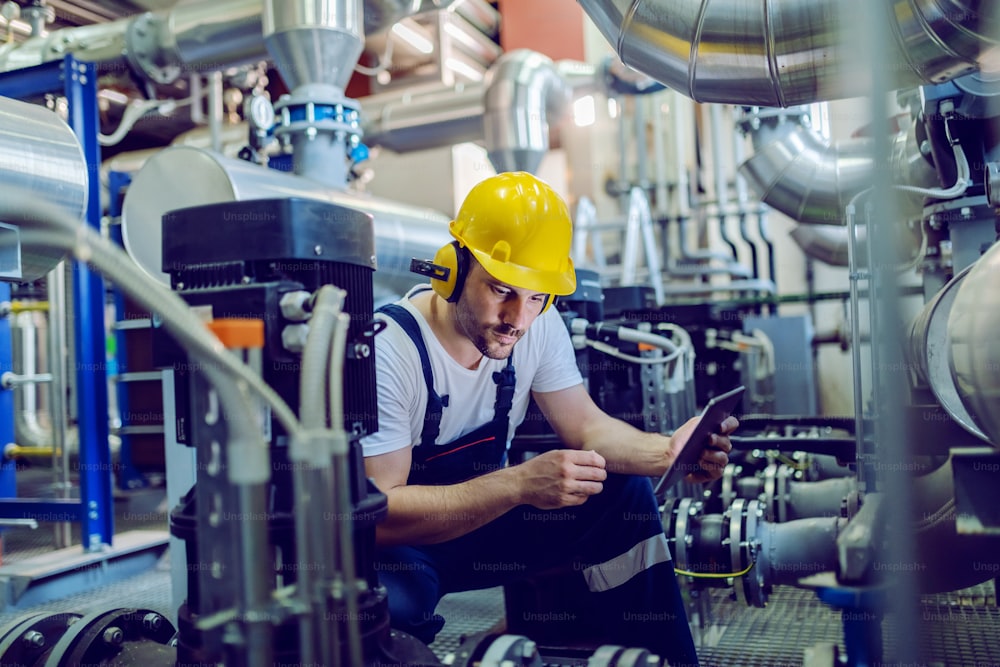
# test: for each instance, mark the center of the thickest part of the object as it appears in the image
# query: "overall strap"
(435, 403)
(505, 380)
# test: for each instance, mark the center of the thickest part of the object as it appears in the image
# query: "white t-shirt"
(543, 361)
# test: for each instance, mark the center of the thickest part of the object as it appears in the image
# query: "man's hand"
(560, 478)
(715, 456)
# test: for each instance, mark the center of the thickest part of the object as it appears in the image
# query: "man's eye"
(501, 291)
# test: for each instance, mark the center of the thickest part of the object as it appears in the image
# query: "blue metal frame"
(8, 481)
(78, 82)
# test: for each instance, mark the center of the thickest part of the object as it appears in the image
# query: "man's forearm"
(432, 514)
(627, 450)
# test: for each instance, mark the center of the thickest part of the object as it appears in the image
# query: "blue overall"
(614, 540)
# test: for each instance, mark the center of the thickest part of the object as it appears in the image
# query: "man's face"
(494, 315)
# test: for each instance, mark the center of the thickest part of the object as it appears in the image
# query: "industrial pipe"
(974, 350)
(39, 155)
(780, 54)
(518, 86)
(181, 177)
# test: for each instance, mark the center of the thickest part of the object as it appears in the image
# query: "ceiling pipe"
(780, 54)
(811, 179)
(524, 90)
(163, 45)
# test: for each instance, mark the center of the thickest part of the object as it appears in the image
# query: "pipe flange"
(753, 581)
(27, 642)
(686, 508)
(145, 54)
(102, 635)
(310, 115)
(736, 511)
(992, 178)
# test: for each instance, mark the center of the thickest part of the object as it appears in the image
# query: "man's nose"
(516, 313)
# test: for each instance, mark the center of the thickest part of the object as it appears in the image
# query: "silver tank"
(40, 157)
(182, 176)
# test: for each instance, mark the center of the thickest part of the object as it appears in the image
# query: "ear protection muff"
(455, 259)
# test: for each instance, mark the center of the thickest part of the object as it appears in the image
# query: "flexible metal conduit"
(780, 54)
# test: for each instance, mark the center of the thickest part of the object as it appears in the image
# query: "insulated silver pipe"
(426, 118)
(974, 353)
(29, 359)
(181, 177)
(520, 85)
(190, 37)
(781, 54)
(40, 156)
(810, 179)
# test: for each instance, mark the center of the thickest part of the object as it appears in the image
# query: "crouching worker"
(456, 366)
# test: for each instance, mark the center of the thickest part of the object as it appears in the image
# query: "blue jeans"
(614, 540)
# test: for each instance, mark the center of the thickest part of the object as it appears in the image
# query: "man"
(456, 367)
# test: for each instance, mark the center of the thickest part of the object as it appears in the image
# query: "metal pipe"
(191, 37)
(742, 199)
(793, 550)
(719, 175)
(972, 352)
(780, 54)
(57, 348)
(522, 85)
(181, 176)
(215, 110)
(27, 358)
(424, 118)
(40, 155)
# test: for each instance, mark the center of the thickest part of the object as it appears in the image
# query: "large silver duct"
(929, 352)
(180, 177)
(421, 119)
(810, 179)
(190, 37)
(523, 93)
(40, 155)
(780, 54)
(519, 86)
(975, 346)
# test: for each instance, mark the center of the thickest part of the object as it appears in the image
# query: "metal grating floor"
(959, 629)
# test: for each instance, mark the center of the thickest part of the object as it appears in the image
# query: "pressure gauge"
(259, 113)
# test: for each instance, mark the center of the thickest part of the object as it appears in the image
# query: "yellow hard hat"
(520, 231)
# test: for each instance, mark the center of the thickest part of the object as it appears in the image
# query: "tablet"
(718, 408)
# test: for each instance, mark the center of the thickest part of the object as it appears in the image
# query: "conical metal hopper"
(314, 41)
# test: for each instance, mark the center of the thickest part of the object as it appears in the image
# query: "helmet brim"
(559, 283)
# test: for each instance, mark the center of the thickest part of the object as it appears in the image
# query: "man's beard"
(479, 335)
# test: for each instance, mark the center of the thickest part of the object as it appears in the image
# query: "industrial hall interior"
(513, 332)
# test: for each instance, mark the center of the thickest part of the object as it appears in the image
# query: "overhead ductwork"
(519, 86)
(781, 54)
(160, 46)
(511, 111)
(811, 179)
